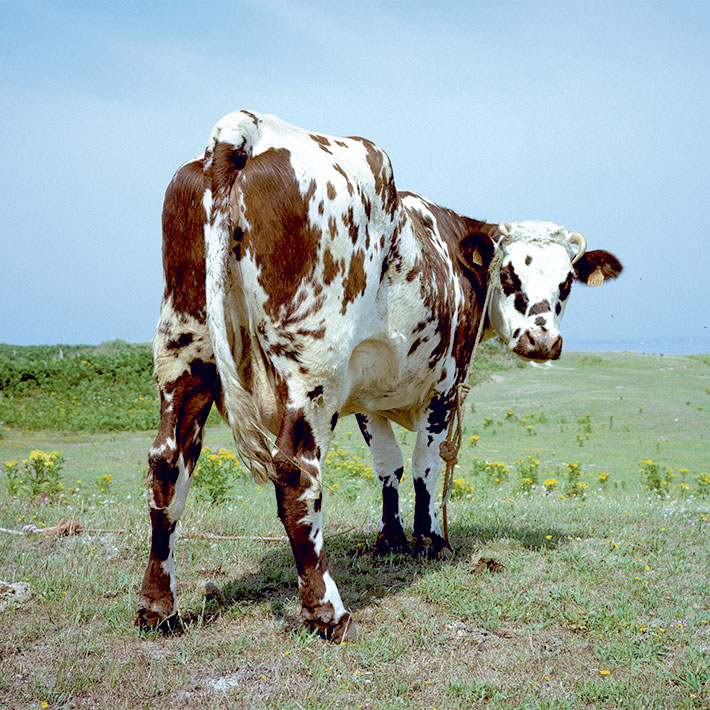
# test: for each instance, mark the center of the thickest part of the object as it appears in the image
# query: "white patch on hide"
(169, 568)
(332, 595)
(176, 506)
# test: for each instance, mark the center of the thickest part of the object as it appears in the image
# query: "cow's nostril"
(556, 347)
(528, 340)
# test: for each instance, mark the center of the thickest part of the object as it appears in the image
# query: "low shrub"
(38, 473)
(216, 475)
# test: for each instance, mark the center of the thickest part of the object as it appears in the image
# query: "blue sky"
(594, 115)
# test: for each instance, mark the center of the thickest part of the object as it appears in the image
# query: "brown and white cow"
(300, 287)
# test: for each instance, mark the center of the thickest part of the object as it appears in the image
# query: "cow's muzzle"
(539, 344)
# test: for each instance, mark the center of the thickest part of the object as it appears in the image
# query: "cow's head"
(531, 267)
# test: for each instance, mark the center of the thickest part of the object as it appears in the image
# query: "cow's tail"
(227, 308)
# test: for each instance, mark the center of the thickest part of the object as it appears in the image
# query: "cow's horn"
(581, 242)
(504, 228)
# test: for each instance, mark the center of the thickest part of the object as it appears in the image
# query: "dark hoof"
(433, 547)
(391, 542)
(336, 631)
(147, 620)
(344, 630)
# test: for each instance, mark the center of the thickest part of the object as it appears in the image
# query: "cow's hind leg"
(188, 384)
(389, 465)
(297, 460)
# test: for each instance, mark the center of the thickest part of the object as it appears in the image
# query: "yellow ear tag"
(596, 278)
(476, 258)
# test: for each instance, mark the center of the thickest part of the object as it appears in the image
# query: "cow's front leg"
(299, 497)
(389, 465)
(184, 406)
(426, 464)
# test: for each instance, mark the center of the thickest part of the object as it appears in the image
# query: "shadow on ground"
(362, 577)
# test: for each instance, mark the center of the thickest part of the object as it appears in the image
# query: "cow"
(300, 287)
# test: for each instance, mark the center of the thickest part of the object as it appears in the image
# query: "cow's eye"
(509, 280)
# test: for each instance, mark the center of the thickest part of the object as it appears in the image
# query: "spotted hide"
(301, 287)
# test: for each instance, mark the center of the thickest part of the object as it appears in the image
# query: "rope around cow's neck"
(449, 448)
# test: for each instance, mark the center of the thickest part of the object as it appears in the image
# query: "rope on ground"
(74, 527)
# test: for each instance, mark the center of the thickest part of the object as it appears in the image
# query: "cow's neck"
(453, 228)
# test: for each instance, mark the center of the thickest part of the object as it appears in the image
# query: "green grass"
(640, 407)
(613, 581)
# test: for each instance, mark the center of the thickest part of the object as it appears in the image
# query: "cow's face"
(532, 266)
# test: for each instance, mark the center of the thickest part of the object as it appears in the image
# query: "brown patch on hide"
(180, 342)
(355, 282)
(510, 281)
(417, 342)
(521, 303)
(433, 292)
(331, 268)
(281, 238)
(315, 334)
(353, 227)
(323, 142)
(332, 227)
(367, 205)
(342, 172)
(565, 287)
(315, 393)
(540, 307)
(284, 350)
(382, 173)
(254, 118)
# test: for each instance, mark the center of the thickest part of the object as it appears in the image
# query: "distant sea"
(665, 347)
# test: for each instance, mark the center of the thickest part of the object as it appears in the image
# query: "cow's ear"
(596, 267)
(474, 253)
(475, 250)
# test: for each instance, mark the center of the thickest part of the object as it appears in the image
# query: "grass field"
(602, 601)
